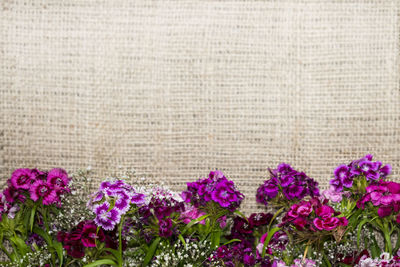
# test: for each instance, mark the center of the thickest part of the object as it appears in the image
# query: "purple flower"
(249, 260)
(165, 227)
(258, 219)
(22, 178)
(364, 167)
(41, 189)
(216, 188)
(122, 200)
(291, 183)
(224, 194)
(58, 178)
(105, 218)
(138, 199)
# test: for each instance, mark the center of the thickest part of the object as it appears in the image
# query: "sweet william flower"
(165, 227)
(89, 234)
(59, 180)
(41, 189)
(22, 178)
(105, 218)
(286, 183)
(259, 219)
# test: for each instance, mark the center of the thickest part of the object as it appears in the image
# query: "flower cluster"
(216, 188)
(385, 260)
(313, 215)
(161, 204)
(37, 185)
(371, 170)
(85, 235)
(113, 200)
(384, 195)
(288, 182)
(242, 229)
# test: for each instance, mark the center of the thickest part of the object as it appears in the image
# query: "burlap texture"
(176, 88)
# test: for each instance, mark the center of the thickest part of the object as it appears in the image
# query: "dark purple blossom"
(344, 175)
(216, 188)
(165, 227)
(288, 183)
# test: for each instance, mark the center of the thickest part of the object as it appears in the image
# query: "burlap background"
(176, 88)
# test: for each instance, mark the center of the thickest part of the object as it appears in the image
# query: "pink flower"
(41, 189)
(299, 223)
(58, 178)
(190, 214)
(305, 209)
(332, 195)
(327, 224)
(22, 178)
(324, 211)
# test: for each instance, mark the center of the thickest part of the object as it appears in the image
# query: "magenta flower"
(89, 234)
(43, 190)
(105, 218)
(384, 195)
(332, 195)
(345, 174)
(224, 194)
(165, 227)
(216, 188)
(191, 213)
(22, 178)
(324, 211)
(122, 200)
(291, 183)
(58, 178)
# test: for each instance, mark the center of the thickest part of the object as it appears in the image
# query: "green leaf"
(231, 241)
(215, 238)
(151, 251)
(59, 249)
(114, 252)
(32, 217)
(182, 239)
(21, 245)
(101, 262)
(269, 236)
(193, 222)
(274, 217)
(43, 234)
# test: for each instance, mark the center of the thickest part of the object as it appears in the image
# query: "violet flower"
(345, 174)
(288, 183)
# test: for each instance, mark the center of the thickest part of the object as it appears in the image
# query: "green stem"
(120, 240)
(274, 217)
(386, 234)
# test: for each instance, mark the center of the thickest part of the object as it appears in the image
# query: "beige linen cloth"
(176, 88)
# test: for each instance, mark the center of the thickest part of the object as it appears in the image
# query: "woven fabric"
(176, 88)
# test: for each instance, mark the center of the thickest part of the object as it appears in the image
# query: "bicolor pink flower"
(105, 218)
(122, 200)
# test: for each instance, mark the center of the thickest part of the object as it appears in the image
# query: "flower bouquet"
(49, 219)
